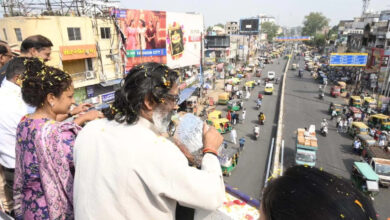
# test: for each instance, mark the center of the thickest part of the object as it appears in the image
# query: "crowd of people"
(62, 161)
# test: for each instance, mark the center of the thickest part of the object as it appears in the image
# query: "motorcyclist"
(261, 117)
(258, 104)
(324, 123)
(256, 131)
(260, 96)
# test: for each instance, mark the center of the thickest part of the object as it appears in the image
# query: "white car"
(271, 75)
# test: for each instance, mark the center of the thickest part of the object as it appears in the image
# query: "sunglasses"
(173, 98)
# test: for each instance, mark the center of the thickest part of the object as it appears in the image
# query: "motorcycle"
(321, 96)
(324, 131)
(256, 132)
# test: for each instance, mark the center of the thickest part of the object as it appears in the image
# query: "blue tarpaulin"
(186, 93)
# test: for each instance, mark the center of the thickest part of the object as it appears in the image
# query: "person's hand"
(184, 150)
(88, 116)
(211, 137)
(81, 108)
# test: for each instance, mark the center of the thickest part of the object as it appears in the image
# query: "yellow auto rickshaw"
(222, 125)
(380, 121)
(370, 102)
(223, 98)
(358, 128)
(355, 101)
(214, 115)
(343, 86)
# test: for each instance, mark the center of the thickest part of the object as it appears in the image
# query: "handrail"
(269, 162)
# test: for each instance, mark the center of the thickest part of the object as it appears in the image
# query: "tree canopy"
(314, 22)
(270, 29)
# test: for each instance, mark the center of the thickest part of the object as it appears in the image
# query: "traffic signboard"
(348, 59)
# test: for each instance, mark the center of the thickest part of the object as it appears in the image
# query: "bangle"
(70, 115)
(210, 150)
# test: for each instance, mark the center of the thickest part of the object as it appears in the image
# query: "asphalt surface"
(302, 107)
(249, 174)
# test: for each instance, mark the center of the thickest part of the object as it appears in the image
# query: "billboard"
(183, 39)
(145, 34)
(249, 26)
(348, 59)
(217, 41)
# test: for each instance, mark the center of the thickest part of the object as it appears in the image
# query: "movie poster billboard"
(183, 39)
(145, 35)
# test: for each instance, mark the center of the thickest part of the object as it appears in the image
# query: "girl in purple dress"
(43, 187)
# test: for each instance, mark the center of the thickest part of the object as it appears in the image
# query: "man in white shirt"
(125, 168)
(13, 109)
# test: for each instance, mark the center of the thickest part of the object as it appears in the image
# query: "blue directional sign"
(348, 59)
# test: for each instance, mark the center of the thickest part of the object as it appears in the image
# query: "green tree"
(314, 22)
(270, 29)
(220, 25)
(209, 29)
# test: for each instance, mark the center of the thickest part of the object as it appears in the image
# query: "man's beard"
(162, 118)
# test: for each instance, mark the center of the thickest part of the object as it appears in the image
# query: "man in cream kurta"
(132, 172)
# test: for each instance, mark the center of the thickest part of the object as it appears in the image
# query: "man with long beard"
(126, 168)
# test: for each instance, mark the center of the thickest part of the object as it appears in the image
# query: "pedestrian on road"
(350, 120)
(243, 115)
(340, 125)
(334, 114)
(242, 142)
(233, 136)
(237, 117)
(338, 119)
(248, 95)
(234, 119)
(363, 116)
(356, 146)
(229, 116)
(345, 125)
(344, 110)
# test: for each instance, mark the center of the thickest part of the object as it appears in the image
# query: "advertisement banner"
(183, 39)
(145, 33)
(78, 52)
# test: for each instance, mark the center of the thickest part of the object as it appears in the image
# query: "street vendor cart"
(234, 105)
(365, 178)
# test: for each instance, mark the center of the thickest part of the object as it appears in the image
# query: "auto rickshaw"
(365, 178)
(343, 86)
(355, 101)
(366, 141)
(356, 113)
(234, 105)
(214, 115)
(380, 121)
(223, 98)
(335, 91)
(370, 102)
(222, 125)
(228, 160)
(358, 128)
(335, 106)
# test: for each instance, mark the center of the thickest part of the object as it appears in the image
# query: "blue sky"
(287, 12)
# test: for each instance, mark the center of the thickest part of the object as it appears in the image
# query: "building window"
(74, 33)
(89, 64)
(5, 34)
(105, 33)
(18, 33)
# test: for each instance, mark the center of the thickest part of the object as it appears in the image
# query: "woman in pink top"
(131, 36)
(43, 187)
